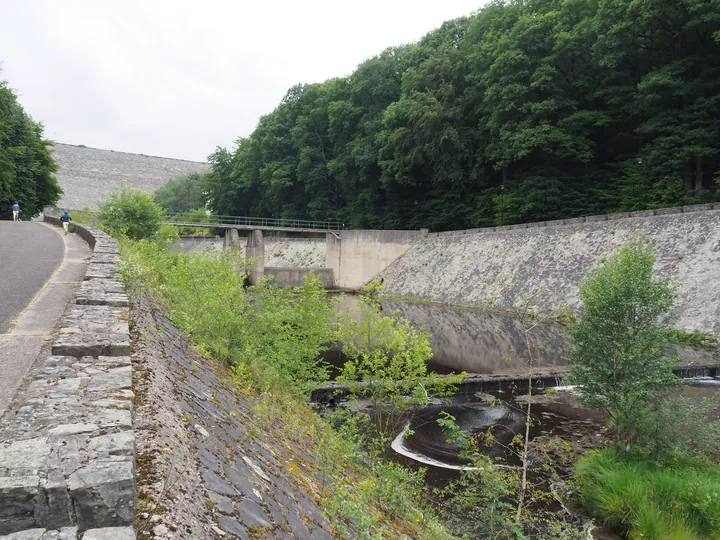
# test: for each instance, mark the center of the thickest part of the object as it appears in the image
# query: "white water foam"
(399, 446)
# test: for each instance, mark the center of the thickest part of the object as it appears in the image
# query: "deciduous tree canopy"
(527, 110)
(26, 163)
(182, 194)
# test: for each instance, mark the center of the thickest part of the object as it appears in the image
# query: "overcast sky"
(178, 78)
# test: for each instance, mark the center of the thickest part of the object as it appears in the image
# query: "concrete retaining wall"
(280, 252)
(67, 460)
(544, 262)
(295, 277)
(359, 256)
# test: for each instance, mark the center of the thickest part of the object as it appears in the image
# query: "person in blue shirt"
(66, 219)
(16, 212)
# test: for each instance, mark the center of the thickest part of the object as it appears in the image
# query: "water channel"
(494, 348)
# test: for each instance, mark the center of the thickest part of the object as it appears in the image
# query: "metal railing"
(180, 218)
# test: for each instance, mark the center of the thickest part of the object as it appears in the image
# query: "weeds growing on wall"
(272, 339)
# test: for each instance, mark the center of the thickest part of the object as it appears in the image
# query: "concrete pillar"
(333, 252)
(255, 250)
(231, 240)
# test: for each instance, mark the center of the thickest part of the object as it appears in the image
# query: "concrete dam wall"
(544, 262)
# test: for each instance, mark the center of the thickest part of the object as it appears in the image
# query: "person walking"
(16, 212)
(66, 219)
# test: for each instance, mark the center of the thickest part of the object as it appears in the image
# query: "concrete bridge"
(242, 223)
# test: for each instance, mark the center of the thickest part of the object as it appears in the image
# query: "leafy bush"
(387, 362)
(85, 216)
(676, 427)
(620, 347)
(131, 213)
(278, 333)
(675, 500)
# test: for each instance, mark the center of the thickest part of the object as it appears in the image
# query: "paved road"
(29, 254)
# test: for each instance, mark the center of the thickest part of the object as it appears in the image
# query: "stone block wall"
(543, 263)
(89, 175)
(67, 456)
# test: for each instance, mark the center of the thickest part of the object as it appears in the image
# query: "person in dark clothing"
(66, 219)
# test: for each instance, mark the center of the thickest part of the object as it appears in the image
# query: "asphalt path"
(29, 254)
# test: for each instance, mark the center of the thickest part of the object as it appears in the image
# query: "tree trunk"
(698, 173)
(688, 167)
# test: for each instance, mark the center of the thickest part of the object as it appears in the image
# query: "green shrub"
(678, 427)
(619, 349)
(183, 193)
(674, 500)
(85, 216)
(387, 362)
(278, 332)
(131, 213)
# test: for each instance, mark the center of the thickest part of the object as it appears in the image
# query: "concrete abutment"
(358, 256)
(352, 257)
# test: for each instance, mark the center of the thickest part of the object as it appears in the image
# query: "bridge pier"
(256, 250)
(231, 240)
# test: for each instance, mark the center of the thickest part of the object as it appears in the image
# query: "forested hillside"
(527, 110)
(26, 163)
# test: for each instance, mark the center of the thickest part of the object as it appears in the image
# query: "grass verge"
(670, 501)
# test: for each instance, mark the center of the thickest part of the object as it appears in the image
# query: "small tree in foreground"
(386, 363)
(620, 348)
(130, 212)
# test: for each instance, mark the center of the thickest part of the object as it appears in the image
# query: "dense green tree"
(527, 110)
(26, 162)
(130, 212)
(184, 193)
(620, 349)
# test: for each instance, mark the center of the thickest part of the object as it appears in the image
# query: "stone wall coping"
(688, 209)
